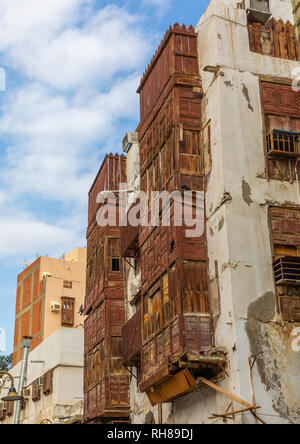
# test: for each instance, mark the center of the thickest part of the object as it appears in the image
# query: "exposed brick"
(36, 318)
(26, 292)
(25, 327)
(15, 358)
(35, 342)
(16, 337)
(36, 284)
(18, 300)
(28, 269)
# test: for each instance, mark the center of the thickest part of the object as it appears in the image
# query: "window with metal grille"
(287, 270)
(285, 234)
(67, 312)
(283, 143)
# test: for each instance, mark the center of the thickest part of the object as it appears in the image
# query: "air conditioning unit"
(26, 394)
(46, 274)
(129, 140)
(55, 307)
(40, 382)
(257, 10)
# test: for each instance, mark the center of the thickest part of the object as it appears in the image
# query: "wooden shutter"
(36, 392)
(68, 312)
(290, 308)
(48, 383)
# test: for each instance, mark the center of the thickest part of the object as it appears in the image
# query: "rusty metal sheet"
(173, 388)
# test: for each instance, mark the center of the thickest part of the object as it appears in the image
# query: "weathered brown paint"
(281, 37)
(106, 381)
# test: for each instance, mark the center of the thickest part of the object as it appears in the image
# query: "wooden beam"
(236, 412)
(224, 392)
(248, 406)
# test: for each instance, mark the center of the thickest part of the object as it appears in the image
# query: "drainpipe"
(26, 347)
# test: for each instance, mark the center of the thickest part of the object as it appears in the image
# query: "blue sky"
(73, 67)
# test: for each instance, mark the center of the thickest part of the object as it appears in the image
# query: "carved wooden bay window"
(281, 106)
(285, 233)
(274, 38)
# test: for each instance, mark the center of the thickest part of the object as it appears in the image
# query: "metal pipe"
(26, 346)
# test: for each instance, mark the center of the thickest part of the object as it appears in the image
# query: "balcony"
(132, 341)
(185, 343)
(287, 270)
(282, 144)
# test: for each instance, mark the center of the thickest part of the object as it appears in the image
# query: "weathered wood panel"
(285, 226)
(106, 383)
(108, 399)
(280, 100)
(132, 340)
(177, 54)
(280, 36)
(110, 175)
(184, 334)
(282, 111)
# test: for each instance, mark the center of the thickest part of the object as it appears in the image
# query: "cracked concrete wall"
(242, 285)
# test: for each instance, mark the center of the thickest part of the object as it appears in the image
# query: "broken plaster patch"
(246, 192)
(229, 84)
(221, 223)
(246, 94)
(278, 366)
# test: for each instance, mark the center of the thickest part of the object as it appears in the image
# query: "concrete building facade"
(54, 386)
(45, 290)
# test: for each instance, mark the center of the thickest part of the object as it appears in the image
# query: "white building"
(54, 386)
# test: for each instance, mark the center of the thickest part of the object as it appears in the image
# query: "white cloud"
(79, 67)
(28, 236)
(57, 141)
(161, 5)
(51, 48)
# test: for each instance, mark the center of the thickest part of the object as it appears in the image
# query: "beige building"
(49, 309)
(247, 54)
(50, 293)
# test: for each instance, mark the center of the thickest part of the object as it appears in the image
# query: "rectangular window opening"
(116, 264)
